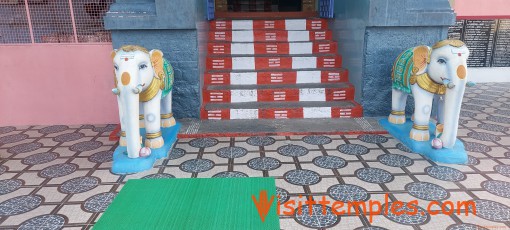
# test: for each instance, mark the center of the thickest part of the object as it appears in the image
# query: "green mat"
(198, 203)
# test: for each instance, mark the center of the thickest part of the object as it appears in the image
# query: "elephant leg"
(440, 114)
(398, 107)
(141, 117)
(122, 139)
(423, 107)
(153, 138)
(167, 117)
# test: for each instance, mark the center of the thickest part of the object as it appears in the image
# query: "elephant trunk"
(452, 107)
(131, 111)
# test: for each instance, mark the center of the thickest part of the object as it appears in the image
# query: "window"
(53, 21)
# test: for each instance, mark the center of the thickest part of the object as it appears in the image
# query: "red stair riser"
(274, 52)
(268, 63)
(278, 95)
(267, 78)
(282, 113)
(289, 24)
(269, 36)
(271, 48)
(340, 95)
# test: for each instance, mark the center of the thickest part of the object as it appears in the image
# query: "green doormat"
(198, 203)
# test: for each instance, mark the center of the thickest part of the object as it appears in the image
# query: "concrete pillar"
(168, 25)
(380, 30)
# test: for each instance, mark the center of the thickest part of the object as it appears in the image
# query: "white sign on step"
(295, 24)
(242, 48)
(242, 25)
(298, 36)
(249, 78)
(242, 36)
(317, 112)
(247, 63)
(304, 62)
(300, 48)
(313, 94)
(244, 114)
(243, 95)
(308, 77)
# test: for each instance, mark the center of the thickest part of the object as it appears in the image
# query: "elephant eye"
(142, 66)
(441, 61)
(116, 67)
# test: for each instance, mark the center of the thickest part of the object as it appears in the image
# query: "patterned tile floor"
(58, 176)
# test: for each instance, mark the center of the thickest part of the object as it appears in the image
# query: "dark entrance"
(258, 9)
(265, 5)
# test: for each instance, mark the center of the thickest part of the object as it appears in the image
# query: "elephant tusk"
(138, 89)
(448, 83)
(116, 91)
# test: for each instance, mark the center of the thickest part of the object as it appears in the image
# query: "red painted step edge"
(276, 95)
(291, 113)
(265, 15)
(275, 78)
(214, 48)
(270, 36)
(278, 24)
(249, 134)
(271, 63)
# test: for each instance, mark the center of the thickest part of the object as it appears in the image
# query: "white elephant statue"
(143, 85)
(431, 72)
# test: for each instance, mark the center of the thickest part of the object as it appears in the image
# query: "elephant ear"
(115, 82)
(421, 58)
(157, 63)
(112, 55)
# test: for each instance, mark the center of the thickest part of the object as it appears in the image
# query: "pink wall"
(56, 84)
(482, 9)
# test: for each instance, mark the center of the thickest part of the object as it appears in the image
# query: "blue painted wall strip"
(210, 9)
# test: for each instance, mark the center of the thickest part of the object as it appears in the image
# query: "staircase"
(275, 69)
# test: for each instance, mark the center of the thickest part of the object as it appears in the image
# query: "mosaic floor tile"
(19, 205)
(264, 163)
(318, 219)
(492, 210)
(230, 174)
(348, 193)
(203, 142)
(59, 176)
(353, 149)
(427, 191)
(317, 140)
(329, 162)
(260, 141)
(374, 175)
(401, 216)
(231, 152)
(302, 177)
(58, 170)
(99, 202)
(44, 222)
(445, 173)
(9, 185)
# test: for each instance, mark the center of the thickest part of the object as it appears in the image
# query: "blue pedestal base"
(122, 164)
(455, 155)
